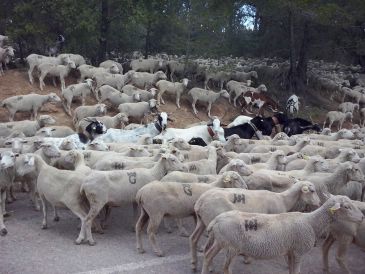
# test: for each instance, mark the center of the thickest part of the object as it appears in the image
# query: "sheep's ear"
(305, 189)
(227, 179)
(53, 129)
(336, 207)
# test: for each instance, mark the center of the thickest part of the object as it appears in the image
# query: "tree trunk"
(104, 30)
(301, 79)
(147, 44)
(21, 51)
(292, 69)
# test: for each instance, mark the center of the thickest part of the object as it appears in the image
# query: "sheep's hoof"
(140, 250)
(91, 242)
(44, 227)
(247, 260)
(37, 208)
(78, 241)
(184, 233)
(159, 253)
(6, 214)
(56, 219)
(193, 267)
(3, 232)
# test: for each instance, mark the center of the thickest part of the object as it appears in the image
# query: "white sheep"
(76, 90)
(76, 58)
(34, 60)
(337, 116)
(88, 71)
(216, 201)
(146, 65)
(107, 64)
(177, 89)
(117, 81)
(147, 80)
(55, 131)
(348, 107)
(236, 89)
(27, 127)
(353, 94)
(138, 110)
(208, 96)
(263, 236)
(61, 71)
(117, 121)
(239, 120)
(145, 95)
(244, 76)
(7, 176)
(82, 112)
(3, 40)
(176, 200)
(123, 184)
(115, 97)
(28, 103)
(5, 56)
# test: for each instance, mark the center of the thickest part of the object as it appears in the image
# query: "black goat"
(298, 126)
(197, 141)
(265, 125)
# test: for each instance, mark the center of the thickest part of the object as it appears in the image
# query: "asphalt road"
(28, 249)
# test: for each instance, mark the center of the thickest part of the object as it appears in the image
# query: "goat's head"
(162, 119)
(95, 128)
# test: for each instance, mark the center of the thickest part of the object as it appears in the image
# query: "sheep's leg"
(34, 195)
(44, 209)
(56, 218)
(209, 107)
(141, 222)
(178, 100)
(2, 204)
(209, 255)
(182, 229)
(93, 212)
(54, 81)
(63, 85)
(227, 262)
(82, 101)
(30, 71)
(342, 248)
(295, 264)
(9, 198)
(193, 239)
(41, 83)
(152, 227)
(11, 115)
(330, 124)
(193, 105)
(3, 230)
(235, 100)
(325, 249)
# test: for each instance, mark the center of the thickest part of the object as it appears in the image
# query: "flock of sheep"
(248, 195)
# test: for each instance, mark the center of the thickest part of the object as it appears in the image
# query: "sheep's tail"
(139, 197)
(211, 238)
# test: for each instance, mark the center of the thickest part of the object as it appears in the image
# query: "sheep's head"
(123, 118)
(72, 157)
(89, 82)
(98, 145)
(51, 150)
(16, 144)
(138, 152)
(68, 144)
(240, 167)
(232, 179)
(10, 51)
(153, 91)
(25, 164)
(345, 134)
(309, 194)
(137, 97)
(353, 172)
(254, 74)
(280, 157)
(171, 163)
(114, 69)
(160, 75)
(342, 209)
(52, 97)
(152, 103)
(71, 64)
(224, 93)
(326, 131)
(7, 159)
(45, 132)
(46, 120)
(319, 164)
(181, 144)
(261, 88)
(185, 82)
(101, 109)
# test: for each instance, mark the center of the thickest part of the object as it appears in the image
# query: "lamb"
(177, 89)
(5, 55)
(176, 200)
(76, 90)
(348, 107)
(34, 60)
(353, 233)
(216, 201)
(115, 97)
(7, 175)
(124, 185)
(147, 80)
(203, 95)
(243, 76)
(144, 94)
(267, 236)
(55, 131)
(88, 111)
(27, 127)
(117, 121)
(53, 70)
(61, 188)
(146, 65)
(138, 110)
(107, 64)
(28, 103)
(237, 89)
(337, 116)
